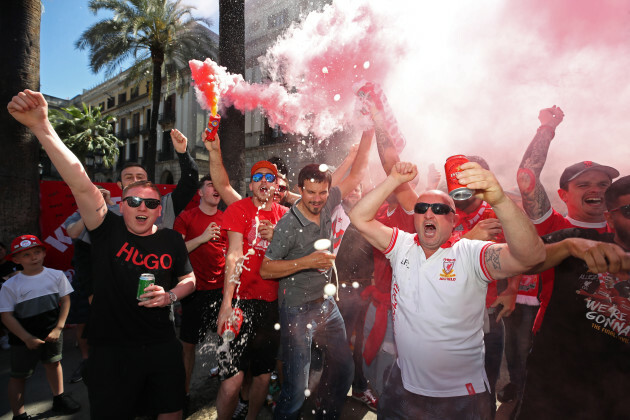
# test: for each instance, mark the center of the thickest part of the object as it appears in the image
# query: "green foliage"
(159, 30)
(85, 131)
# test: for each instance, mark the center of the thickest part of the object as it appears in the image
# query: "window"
(135, 92)
(102, 106)
(122, 98)
(111, 102)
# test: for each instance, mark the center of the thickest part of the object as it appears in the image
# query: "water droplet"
(325, 70)
(307, 393)
(366, 65)
(276, 326)
(355, 284)
(309, 326)
(330, 289)
(323, 167)
(337, 97)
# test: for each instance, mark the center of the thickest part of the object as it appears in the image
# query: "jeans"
(398, 403)
(493, 342)
(353, 309)
(518, 341)
(321, 324)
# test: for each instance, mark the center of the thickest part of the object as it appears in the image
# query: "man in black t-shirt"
(135, 365)
(579, 366)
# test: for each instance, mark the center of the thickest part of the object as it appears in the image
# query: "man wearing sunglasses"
(578, 366)
(438, 294)
(135, 365)
(249, 223)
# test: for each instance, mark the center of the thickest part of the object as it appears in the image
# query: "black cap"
(573, 171)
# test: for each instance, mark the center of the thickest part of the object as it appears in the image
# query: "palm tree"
(87, 131)
(232, 56)
(19, 154)
(151, 33)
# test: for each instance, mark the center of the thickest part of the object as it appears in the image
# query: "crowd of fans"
(401, 293)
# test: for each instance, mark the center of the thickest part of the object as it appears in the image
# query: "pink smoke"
(312, 69)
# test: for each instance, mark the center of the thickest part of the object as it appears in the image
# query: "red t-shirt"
(208, 259)
(467, 221)
(241, 217)
(549, 223)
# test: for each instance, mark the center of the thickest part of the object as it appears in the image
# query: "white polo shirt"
(438, 310)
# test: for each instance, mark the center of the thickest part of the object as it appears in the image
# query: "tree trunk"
(156, 95)
(19, 151)
(232, 56)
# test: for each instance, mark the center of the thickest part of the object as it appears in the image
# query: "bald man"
(438, 294)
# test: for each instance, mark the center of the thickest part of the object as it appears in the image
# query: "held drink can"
(488, 213)
(145, 280)
(452, 167)
(232, 326)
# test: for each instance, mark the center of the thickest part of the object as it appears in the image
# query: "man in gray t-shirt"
(307, 315)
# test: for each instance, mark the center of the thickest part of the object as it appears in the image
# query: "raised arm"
(357, 172)
(535, 200)
(187, 186)
(523, 249)
(219, 175)
(388, 155)
(30, 108)
(362, 214)
(345, 166)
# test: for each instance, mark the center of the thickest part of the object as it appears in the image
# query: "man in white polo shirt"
(438, 294)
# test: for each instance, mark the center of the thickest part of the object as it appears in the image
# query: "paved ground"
(203, 390)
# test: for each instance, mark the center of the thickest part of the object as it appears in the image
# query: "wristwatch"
(172, 296)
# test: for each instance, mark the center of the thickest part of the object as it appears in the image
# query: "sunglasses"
(436, 208)
(151, 203)
(282, 188)
(268, 177)
(625, 211)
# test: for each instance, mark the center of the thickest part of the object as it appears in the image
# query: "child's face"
(32, 258)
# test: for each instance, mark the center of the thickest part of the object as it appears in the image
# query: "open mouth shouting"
(430, 229)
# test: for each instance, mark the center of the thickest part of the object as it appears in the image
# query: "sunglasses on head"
(268, 177)
(436, 208)
(625, 211)
(151, 203)
(282, 188)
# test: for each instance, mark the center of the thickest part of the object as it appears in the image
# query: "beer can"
(488, 213)
(232, 326)
(456, 190)
(145, 280)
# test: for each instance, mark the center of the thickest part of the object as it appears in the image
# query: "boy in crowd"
(34, 305)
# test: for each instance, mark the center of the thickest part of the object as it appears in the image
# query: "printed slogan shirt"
(119, 258)
(587, 323)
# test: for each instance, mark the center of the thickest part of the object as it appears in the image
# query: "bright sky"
(64, 71)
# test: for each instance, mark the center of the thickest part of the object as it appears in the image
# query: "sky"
(64, 70)
(460, 77)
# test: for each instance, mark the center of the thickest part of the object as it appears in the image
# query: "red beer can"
(456, 190)
(488, 213)
(232, 326)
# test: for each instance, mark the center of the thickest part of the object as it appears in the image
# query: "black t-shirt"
(119, 258)
(587, 324)
(354, 259)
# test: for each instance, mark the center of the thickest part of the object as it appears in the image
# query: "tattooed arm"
(30, 109)
(405, 194)
(523, 249)
(535, 200)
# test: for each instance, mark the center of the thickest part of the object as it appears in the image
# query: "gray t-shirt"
(293, 238)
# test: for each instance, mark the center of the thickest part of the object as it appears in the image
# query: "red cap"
(264, 164)
(24, 242)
